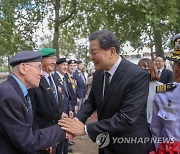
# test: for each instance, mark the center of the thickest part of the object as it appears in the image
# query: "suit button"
(166, 117)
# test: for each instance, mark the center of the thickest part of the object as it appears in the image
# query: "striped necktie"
(53, 89)
(29, 108)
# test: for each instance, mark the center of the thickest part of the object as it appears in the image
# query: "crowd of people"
(46, 101)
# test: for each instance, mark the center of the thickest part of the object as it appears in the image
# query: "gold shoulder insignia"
(165, 87)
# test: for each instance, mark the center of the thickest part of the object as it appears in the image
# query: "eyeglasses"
(39, 67)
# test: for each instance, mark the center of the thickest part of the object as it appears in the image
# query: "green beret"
(47, 52)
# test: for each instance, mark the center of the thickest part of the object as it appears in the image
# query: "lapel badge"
(79, 74)
(169, 102)
(69, 80)
(48, 88)
(62, 97)
(59, 89)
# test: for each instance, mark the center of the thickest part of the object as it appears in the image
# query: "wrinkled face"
(71, 68)
(176, 71)
(159, 62)
(62, 68)
(49, 63)
(100, 57)
(32, 74)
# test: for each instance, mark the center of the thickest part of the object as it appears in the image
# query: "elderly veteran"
(166, 110)
(46, 99)
(16, 133)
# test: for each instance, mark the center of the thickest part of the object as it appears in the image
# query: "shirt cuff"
(85, 129)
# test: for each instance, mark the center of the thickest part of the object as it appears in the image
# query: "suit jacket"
(72, 92)
(122, 113)
(16, 134)
(81, 88)
(66, 105)
(166, 76)
(46, 111)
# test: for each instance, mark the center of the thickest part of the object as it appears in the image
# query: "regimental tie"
(53, 89)
(107, 80)
(29, 108)
(72, 82)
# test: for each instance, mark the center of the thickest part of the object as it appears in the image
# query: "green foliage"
(134, 21)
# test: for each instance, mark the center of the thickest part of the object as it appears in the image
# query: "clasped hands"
(73, 127)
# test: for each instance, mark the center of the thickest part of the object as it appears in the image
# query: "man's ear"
(113, 52)
(22, 68)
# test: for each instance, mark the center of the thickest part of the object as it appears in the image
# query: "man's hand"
(75, 109)
(71, 114)
(64, 115)
(69, 136)
(72, 126)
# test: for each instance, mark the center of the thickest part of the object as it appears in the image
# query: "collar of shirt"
(46, 75)
(161, 70)
(115, 66)
(79, 71)
(71, 75)
(60, 75)
(22, 86)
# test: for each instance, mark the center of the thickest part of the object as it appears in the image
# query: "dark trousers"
(62, 147)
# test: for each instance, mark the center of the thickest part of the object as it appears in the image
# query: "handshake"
(73, 127)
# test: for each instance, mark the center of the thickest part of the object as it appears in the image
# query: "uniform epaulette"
(165, 87)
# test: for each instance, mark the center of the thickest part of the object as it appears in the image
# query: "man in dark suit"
(46, 99)
(72, 84)
(16, 133)
(81, 89)
(61, 70)
(119, 94)
(166, 76)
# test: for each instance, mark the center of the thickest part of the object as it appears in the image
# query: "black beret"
(25, 56)
(61, 60)
(79, 61)
(72, 62)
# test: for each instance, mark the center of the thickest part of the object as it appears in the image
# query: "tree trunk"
(56, 28)
(158, 43)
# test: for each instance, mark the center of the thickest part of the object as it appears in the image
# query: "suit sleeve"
(13, 122)
(133, 104)
(88, 107)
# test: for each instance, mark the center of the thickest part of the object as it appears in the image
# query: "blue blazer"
(45, 109)
(66, 105)
(72, 92)
(16, 134)
(81, 88)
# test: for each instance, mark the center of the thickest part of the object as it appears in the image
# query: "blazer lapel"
(116, 79)
(61, 83)
(44, 84)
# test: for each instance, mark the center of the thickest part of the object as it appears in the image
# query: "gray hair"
(107, 39)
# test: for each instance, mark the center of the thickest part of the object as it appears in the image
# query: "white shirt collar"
(115, 66)
(60, 75)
